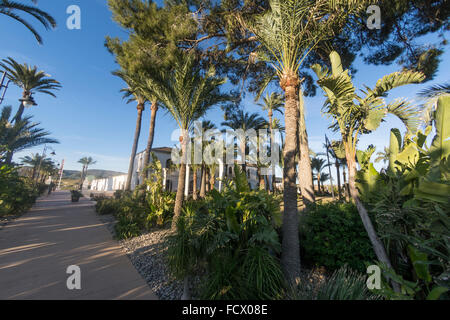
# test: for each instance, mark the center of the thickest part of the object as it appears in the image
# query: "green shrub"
(107, 206)
(332, 235)
(126, 228)
(344, 284)
(17, 194)
(232, 236)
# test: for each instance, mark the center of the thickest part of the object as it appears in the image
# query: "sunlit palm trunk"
(181, 183)
(290, 257)
(304, 165)
(151, 135)
(194, 183)
(377, 245)
(137, 133)
(203, 182)
(212, 178)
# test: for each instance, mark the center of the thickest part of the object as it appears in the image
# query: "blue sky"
(89, 116)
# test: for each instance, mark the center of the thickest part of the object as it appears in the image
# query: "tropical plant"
(354, 115)
(431, 96)
(271, 104)
(86, 162)
(187, 94)
(288, 32)
(343, 284)
(332, 236)
(30, 80)
(232, 236)
(17, 194)
(240, 120)
(134, 93)
(19, 136)
(13, 9)
(318, 165)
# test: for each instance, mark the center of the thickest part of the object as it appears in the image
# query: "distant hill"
(75, 174)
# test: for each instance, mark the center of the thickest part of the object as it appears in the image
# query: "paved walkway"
(36, 249)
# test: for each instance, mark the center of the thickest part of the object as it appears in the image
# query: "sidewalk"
(36, 249)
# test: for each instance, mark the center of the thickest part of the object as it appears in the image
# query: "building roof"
(161, 149)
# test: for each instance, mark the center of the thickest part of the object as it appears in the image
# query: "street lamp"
(28, 101)
(43, 156)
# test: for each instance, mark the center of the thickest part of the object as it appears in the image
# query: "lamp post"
(61, 174)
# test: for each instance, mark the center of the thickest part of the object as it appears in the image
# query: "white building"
(171, 175)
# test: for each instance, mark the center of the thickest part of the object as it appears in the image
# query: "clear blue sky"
(90, 118)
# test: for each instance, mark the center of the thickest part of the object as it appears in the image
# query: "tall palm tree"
(20, 135)
(86, 162)
(354, 115)
(134, 93)
(151, 135)
(206, 125)
(12, 9)
(187, 94)
(33, 161)
(288, 32)
(272, 103)
(30, 80)
(317, 165)
(245, 121)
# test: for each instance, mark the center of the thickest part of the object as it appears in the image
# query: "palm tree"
(244, 121)
(317, 165)
(187, 94)
(30, 80)
(354, 115)
(12, 9)
(20, 135)
(383, 156)
(288, 32)
(135, 93)
(206, 125)
(151, 135)
(86, 162)
(431, 96)
(33, 161)
(272, 103)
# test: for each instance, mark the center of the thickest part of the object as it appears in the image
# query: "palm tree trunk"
(244, 160)
(338, 173)
(346, 186)
(212, 178)
(304, 165)
(290, 256)
(377, 245)
(203, 182)
(20, 111)
(194, 183)
(151, 135)
(181, 182)
(272, 149)
(137, 133)
(318, 183)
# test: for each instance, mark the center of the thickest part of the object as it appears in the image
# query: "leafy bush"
(127, 228)
(107, 206)
(17, 194)
(332, 235)
(344, 284)
(232, 236)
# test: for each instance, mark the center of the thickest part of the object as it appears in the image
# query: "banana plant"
(354, 115)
